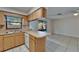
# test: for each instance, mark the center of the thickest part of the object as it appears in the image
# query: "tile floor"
(61, 43)
(55, 43)
(19, 49)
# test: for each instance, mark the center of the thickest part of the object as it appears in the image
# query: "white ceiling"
(51, 11)
(66, 12)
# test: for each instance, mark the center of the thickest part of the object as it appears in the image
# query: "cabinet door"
(25, 18)
(32, 45)
(1, 18)
(30, 17)
(1, 43)
(40, 47)
(32, 42)
(8, 42)
(40, 13)
(34, 16)
(19, 40)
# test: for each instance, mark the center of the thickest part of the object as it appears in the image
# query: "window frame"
(12, 22)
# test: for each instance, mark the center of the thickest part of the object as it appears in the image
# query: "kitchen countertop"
(38, 34)
(7, 33)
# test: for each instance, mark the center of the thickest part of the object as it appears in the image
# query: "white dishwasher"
(27, 40)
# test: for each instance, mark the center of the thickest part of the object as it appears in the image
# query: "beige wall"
(50, 26)
(24, 23)
(67, 26)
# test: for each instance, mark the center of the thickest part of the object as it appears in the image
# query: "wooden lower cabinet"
(40, 44)
(32, 45)
(37, 44)
(19, 40)
(9, 42)
(1, 43)
(13, 40)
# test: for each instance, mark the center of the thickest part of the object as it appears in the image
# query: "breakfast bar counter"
(37, 34)
(37, 41)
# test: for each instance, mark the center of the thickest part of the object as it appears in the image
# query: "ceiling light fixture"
(59, 14)
(76, 14)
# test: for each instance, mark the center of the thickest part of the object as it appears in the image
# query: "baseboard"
(70, 35)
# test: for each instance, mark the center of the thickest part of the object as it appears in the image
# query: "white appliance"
(27, 40)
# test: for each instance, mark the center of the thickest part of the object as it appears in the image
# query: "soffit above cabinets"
(19, 10)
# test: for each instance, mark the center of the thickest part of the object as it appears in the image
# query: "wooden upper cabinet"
(39, 13)
(35, 15)
(30, 17)
(25, 18)
(1, 18)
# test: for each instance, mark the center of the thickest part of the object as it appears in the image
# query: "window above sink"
(13, 22)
